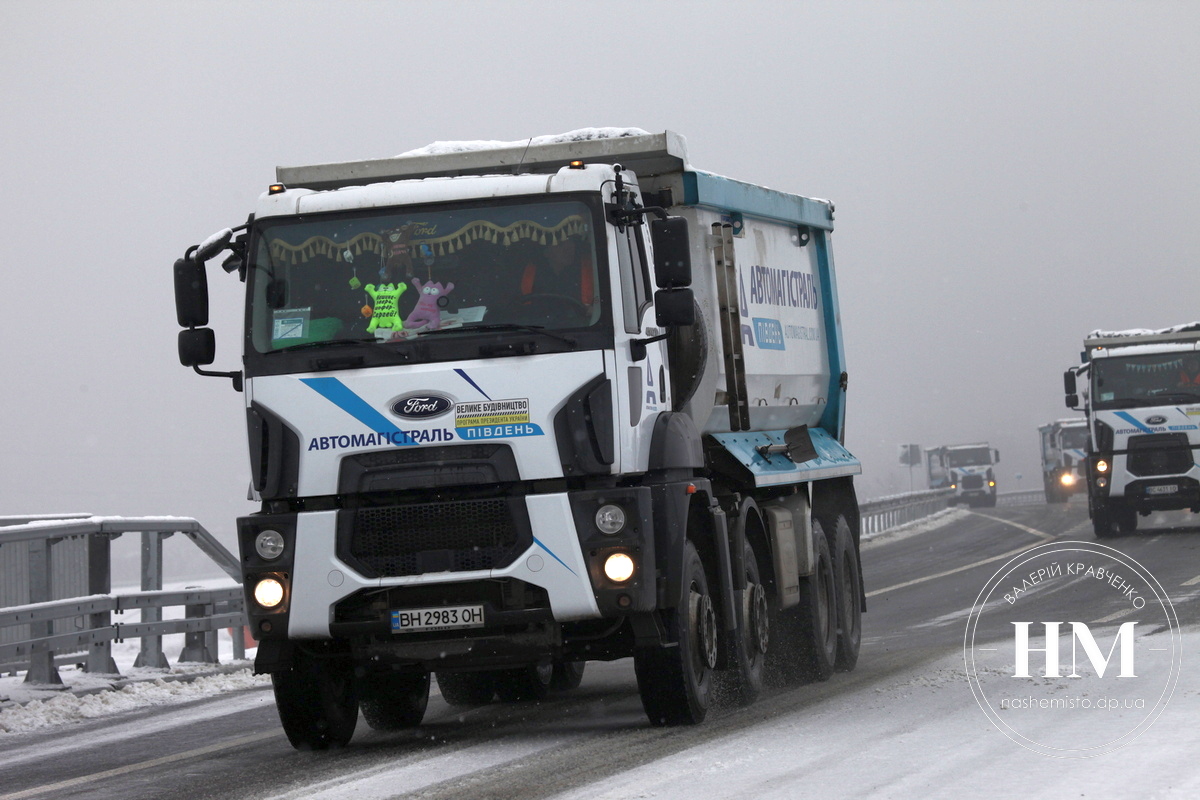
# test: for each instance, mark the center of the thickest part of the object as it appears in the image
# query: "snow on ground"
(919, 734)
(27, 707)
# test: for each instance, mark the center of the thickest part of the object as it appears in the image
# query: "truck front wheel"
(317, 701)
(467, 689)
(675, 683)
(1103, 522)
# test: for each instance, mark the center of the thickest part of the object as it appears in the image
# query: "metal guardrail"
(891, 512)
(901, 509)
(67, 605)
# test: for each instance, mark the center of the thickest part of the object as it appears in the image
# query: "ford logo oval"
(421, 406)
(1156, 420)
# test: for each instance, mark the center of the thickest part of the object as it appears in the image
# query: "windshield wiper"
(1172, 395)
(292, 348)
(502, 326)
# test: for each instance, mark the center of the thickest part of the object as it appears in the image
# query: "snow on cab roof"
(579, 135)
(1182, 328)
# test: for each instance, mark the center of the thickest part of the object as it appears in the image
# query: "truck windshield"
(390, 276)
(1074, 438)
(1146, 380)
(969, 457)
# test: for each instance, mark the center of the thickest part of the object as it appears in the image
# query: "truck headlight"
(1067, 479)
(1102, 466)
(268, 592)
(618, 567)
(610, 519)
(269, 545)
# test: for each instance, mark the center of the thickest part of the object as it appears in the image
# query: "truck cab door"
(642, 386)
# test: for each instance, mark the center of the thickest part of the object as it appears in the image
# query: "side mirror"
(1069, 382)
(995, 456)
(674, 307)
(672, 252)
(197, 347)
(1073, 401)
(191, 293)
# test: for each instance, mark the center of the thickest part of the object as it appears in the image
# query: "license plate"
(442, 618)
(1169, 489)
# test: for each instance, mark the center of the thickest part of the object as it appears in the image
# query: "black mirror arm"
(236, 377)
(637, 347)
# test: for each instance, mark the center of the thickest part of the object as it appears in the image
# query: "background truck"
(1064, 446)
(965, 468)
(513, 409)
(1140, 390)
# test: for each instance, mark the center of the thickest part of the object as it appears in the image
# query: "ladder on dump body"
(731, 327)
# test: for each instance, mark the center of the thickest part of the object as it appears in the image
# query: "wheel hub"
(704, 627)
(756, 617)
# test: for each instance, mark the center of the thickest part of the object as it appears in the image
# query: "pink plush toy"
(426, 310)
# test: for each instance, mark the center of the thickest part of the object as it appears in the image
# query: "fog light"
(1102, 482)
(1102, 466)
(269, 545)
(991, 484)
(618, 567)
(610, 519)
(268, 592)
(1067, 479)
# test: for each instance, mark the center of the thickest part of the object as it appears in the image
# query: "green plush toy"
(386, 311)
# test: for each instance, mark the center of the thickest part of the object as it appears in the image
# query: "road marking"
(1192, 582)
(154, 762)
(1124, 613)
(1040, 534)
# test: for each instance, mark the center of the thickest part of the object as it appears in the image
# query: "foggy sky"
(1007, 177)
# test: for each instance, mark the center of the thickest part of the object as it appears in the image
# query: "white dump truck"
(967, 469)
(1064, 445)
(513, 408)
(1140, 390)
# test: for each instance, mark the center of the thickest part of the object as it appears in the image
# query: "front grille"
(972, 482)
(1159, 454)
(417, 538)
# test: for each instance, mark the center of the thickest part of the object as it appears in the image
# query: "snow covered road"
(904, 724)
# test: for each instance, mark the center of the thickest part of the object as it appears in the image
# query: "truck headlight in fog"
(269, 545)
(610, 519)
(618, 567)
(268, 592)
(1102, 466)
(1067, 479)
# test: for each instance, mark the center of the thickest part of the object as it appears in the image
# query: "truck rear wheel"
(467, 689)
(848, 577)
(675, 683)
(751, 639)
(392, 701)
(317, 702)
(805, 648)
(567, 675)
(524, 683)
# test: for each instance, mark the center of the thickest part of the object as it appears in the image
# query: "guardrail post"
(41, 665)
(99, 576)
(151, 654)
(199, 646)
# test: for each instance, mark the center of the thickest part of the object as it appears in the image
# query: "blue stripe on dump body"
(341, 396)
